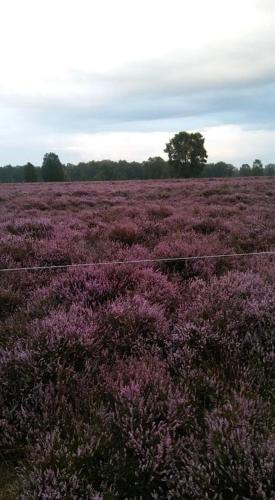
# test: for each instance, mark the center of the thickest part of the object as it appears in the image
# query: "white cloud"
(235, 144)
(70, 68)
(229, 143)
(129, 146)
(43, 42)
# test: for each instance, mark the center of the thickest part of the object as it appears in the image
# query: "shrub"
(9, 301)
(126, 233)
(240, 455)
(150, 421)
(142, 379)
(131, 326)
(33, 229)
(41, 374)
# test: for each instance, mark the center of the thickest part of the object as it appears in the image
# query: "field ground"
(137, 381)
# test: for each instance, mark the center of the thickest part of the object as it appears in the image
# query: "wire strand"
(138, 261)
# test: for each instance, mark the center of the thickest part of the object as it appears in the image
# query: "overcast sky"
(94, 79)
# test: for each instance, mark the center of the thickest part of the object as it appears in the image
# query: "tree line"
(187, 158)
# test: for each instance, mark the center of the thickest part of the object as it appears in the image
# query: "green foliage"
(269, 169)
(257, 168)
(11, 174)
(187, 158)
(155, 168)
(245, 170)
(187, 154)
(220, 169)
(52, 169)
(30, 173)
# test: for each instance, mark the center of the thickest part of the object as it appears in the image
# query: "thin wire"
(140, 261)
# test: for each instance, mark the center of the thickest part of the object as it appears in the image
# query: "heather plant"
(126, 233)
(150, 420)
(142, 380)
(33, 229)
(190, 245)
(132, 326)
(158, 289)
(230, 322)
(70, 466)
(16, 249)
(9, 301)
(49, 361)
(205, 226)
(240, 452)
(248, 318)
(160, 212)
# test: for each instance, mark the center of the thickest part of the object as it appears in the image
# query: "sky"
(97, 79)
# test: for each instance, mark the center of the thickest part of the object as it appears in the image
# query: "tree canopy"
(245, 170)
(187, 158)
(187, 154)
(52, 169)
(257, 168)
(30, 174)
(269, 169)
(220, 169)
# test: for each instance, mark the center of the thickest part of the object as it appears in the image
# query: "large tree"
(30, 173)
(187, 154)
(52, 169)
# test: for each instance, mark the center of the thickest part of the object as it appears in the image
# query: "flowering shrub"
(37, 229)
(131, 326)
(151, 421)
(237, 308)
(125, 233)
(9, 300)
(240, 458)
(142, 380)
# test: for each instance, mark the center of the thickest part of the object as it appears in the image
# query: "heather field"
(137, 381)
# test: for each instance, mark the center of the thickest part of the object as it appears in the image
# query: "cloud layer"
(116, 79)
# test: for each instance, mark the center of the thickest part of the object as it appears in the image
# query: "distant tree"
(155, 168)
(269, 169)
(224, 169)
(52, 169)
(7, 173)
(30, 173)
(220, 169)
(257, 168)
(245, 170)
(187, 154)
(18, 173)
